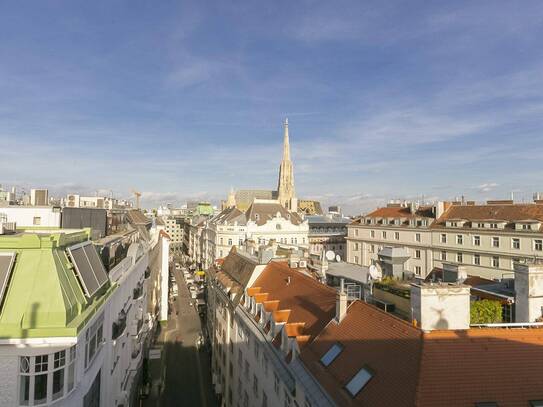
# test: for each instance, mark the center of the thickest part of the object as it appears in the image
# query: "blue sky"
(184, 100)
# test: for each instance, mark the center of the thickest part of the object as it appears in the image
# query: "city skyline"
(383, 102)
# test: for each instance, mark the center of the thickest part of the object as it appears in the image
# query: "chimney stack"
(341, 304)
(528, 291)
(440, 306)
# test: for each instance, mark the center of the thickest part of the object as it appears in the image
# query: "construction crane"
(137, 194)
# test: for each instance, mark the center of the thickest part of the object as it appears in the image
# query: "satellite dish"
(375, 272)
(330, 255)
(338, 258)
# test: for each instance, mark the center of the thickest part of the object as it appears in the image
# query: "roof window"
(332, 354)
(358, 382)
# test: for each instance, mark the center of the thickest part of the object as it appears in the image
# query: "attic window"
(257, 216)
(332, 354)
(358, 382)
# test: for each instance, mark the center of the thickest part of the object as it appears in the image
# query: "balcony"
(138, 291)
(119, 326)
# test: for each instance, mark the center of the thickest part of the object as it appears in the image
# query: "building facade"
(73, 331)
(487, 239)
(327, 233)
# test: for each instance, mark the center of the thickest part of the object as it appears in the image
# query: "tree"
(486, 312)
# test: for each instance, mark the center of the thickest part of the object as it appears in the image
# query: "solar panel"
(96, 263)
(89, 268)
(6, 266)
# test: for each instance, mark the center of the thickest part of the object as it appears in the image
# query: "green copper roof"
(44, 297)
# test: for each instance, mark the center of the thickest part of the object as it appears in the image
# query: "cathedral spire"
(285, 186)
(286, 143)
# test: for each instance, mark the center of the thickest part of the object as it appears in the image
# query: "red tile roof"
(440, 368)
(505, 212)
(388, 345)
(307, 300)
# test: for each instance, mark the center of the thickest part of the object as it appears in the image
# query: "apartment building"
(74, 328)
(401, 225)
(264, 220)
(327, 233)
(280, 338)
(488, 239)
(256, 338)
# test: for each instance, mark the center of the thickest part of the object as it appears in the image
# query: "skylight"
(332, 353)
(358, 382)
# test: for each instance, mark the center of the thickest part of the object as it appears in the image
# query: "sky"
(184, 100)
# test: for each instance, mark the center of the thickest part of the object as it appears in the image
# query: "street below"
(186, 369)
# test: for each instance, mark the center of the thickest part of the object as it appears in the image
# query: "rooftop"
(44, 297)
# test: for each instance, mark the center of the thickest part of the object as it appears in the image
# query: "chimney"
(341, 304)
(528, 291)
(454, 273)
(440, 306)
(439, 209)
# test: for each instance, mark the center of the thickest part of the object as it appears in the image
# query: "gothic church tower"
(285, 186)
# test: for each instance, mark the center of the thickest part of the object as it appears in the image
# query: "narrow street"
(187, 376)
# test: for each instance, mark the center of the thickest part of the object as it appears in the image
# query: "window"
(459, 239)
(417, 254)
(221, 241)
(495, 242)
(372, 233)
(355, 247)
(229, 242)
(418, 270)
(538, 245)
(245, 399)
(355, 259)
(495, 261)
(94, 339)
(372, 248)
(443, 238)
(356, 232)
(384, 234)
(417, 237)
(444, 256)
(397, 235)
(459, 257)
(477, 259)
(477, 240)
(515, 243)
(481, 225)
(332, 353)
(358, 382)
(265, 360)
(287, 398)
(46, 377)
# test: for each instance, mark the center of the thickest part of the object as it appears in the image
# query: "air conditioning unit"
(302, 264)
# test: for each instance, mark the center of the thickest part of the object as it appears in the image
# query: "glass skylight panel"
(358, 382)
(6, 266)
(332, 353)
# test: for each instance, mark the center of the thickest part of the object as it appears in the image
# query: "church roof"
(245, 197)
(261, 212)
